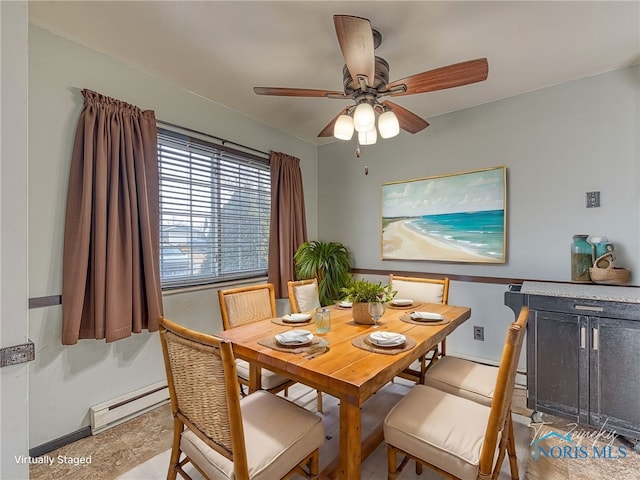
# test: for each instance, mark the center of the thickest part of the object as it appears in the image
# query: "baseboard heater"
(125, 407)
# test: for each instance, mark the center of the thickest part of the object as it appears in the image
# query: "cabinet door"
(615, 375)
(558, 365)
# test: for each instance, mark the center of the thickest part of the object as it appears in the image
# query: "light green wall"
(66, 380)
(557, 144)
(14, 386)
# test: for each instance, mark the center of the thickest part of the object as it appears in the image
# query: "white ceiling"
(220, 50)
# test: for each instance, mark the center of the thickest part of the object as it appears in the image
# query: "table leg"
(255, 378)
(350, 439)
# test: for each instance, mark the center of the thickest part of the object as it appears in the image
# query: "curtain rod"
(223, 140)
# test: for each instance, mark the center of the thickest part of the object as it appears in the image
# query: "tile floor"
(139, 448)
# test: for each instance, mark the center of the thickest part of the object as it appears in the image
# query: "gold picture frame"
(460, 217)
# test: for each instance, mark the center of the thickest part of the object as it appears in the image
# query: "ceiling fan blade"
(298, 92)
(328, 130)
(409, 121)
(356, 42)
(455, 75)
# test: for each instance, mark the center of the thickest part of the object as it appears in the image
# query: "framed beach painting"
(450, 218)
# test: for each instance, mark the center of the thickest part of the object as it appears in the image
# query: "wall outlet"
(478, 333)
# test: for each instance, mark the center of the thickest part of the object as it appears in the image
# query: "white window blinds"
(214, 212)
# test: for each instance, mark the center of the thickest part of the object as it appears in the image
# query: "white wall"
(557, 144)
(66, 380)
(14, 393)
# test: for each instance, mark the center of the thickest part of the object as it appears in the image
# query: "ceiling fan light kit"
(369, 137)
(364, 118)
(388, 124)
(343, 129)
(366, 81)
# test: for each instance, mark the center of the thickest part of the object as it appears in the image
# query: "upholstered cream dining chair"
(260, 436)
(455, 436)
(303, 295)
(475, 382)
(423, 290)
(249, 304)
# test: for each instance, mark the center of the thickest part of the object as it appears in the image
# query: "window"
(214, 211)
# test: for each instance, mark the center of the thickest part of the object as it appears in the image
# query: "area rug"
(375, 467)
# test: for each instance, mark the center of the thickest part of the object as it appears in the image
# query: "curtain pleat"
(111, 277)
(288, 228)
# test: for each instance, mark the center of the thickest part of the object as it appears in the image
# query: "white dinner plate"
(401, 302)
(296, 318)
(345, 304)
(387, 339)
(426, 317)
(294, 337)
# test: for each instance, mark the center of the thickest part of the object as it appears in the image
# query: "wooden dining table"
(350, 373)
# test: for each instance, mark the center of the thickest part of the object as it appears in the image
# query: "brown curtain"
(288, 220)
(111, 278)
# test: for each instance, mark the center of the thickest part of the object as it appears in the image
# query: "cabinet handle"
(595, 339)
(589, 308)
(583, 337)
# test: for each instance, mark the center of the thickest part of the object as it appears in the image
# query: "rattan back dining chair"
(455, 436)
(423, 290)
(260, 436)
(474, 381)
(303, 295)
(249, 304)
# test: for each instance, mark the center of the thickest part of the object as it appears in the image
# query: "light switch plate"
(593, 199)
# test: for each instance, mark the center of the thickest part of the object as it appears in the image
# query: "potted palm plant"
(360, 292)
(329, 262)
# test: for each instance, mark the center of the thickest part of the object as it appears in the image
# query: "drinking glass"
(376, 310)
(323, 320)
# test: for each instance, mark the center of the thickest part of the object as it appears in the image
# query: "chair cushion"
(278, 436)
(306, 297)
(268, 379)
(419, 291)
(463, 378)
(440, 428)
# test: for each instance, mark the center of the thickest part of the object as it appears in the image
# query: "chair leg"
(175, 449)
(319, 402)
(507, 444)
(511, 450)
(314, 465)
(392, 472)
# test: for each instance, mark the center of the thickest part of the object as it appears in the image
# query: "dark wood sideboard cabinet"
(583, 353)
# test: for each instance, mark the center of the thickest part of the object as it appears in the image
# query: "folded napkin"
(297, 317)
(387, 338)
(402, 301)
(295, 336)
(426, 316)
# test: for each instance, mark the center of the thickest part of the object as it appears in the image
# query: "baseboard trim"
(59, 442)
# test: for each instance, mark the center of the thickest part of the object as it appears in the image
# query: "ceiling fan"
(366, 81)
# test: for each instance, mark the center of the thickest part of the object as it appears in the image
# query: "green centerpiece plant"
(360, 292)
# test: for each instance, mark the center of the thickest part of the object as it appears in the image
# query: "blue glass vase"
(581, 259)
